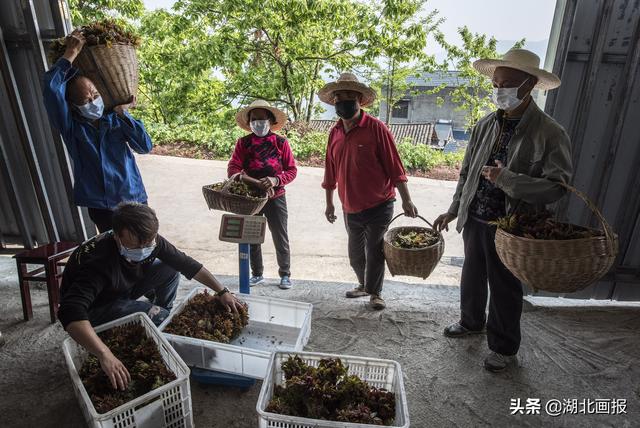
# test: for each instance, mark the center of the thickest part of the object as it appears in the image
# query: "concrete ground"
(568, 352)
(318, 248)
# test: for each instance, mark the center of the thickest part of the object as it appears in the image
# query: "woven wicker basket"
(559, 266)
(221, 199)
(419, 262)
(113, 69)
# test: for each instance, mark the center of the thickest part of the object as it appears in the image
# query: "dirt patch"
(185, 149)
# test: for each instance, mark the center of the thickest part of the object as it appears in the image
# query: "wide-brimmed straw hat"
(523, 60)
(242, 116)
(347, 82)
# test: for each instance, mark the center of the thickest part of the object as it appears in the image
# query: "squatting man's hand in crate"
(128, 269)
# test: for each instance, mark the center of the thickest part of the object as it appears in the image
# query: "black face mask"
(346, 109)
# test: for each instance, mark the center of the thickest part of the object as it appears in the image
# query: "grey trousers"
(366, 233)
(276, 213)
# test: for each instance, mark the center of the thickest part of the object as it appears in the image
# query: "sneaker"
(497, 362)
(377, 303)
(255, 280)
(457, 330)
(285, 283)
(356, 292)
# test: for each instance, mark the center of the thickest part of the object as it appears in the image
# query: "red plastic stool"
(51, 258)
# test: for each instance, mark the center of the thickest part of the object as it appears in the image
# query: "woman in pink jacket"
(264, 159)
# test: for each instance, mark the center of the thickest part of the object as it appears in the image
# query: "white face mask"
(93, 109)
(507, 98)
(260, 127)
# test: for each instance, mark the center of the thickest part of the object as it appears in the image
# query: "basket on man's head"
(108, 60)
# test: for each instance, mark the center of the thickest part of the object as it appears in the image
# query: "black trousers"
(481, 264)
(277, 215)
(366, 233)
(101, 217)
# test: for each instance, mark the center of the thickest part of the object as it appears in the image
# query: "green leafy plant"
(328, 392)
(204, 317)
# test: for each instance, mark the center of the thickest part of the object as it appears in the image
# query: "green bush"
(424, 158)
(310, 146)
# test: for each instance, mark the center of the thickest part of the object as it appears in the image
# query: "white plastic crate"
(378, 373)
(274, 324)
(168, 406)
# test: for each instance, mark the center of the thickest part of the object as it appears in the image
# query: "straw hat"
(523, 60)
(347, 82)
(242, 116)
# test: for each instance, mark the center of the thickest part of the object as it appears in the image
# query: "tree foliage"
(278, 50)
(204, 58)
(86, 11)
(398, 44)
(472, 95)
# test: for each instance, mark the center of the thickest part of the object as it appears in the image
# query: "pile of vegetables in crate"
(541, 225)
(139, 354)
(204, 317)
(328, 392)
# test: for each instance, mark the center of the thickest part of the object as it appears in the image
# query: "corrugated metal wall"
(35, 180)
(595, 49)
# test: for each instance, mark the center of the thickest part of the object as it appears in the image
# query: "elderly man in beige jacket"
(516, 157)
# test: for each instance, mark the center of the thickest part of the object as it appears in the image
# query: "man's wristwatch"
(222, 292)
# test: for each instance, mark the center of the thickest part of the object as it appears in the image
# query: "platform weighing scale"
(243, 230)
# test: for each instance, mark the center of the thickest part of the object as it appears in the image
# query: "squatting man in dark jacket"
(108, 273)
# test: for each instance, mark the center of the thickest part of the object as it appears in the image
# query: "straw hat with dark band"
(523, 60)
(347, 82)
(242, 116)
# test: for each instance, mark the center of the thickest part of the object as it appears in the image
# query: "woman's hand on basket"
(115, 370)
(268, 182)
(74, 43)
(442, 222)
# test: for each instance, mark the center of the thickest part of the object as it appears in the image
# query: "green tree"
(473, 94)
(85, 11)
(176, 81)
(399, 44)
(278, 49)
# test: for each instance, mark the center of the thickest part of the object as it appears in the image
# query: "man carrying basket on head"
(100, 143)
(264, 159)
(515, 159)
(362, 162)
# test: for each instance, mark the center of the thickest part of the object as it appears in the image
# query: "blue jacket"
(104, 168)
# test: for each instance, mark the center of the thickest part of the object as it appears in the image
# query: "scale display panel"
(242, 229)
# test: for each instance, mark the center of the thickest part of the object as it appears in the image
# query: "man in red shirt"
(363, 163)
